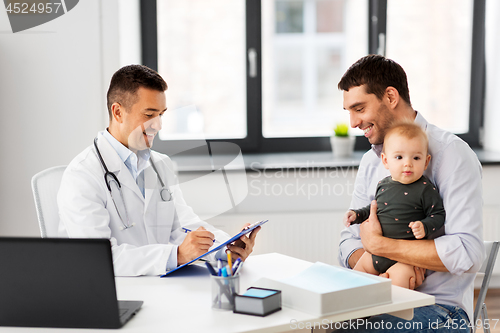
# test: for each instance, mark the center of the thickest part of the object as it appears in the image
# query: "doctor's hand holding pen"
(196, 243)
(242, 247)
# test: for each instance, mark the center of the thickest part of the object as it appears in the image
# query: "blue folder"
(215, 249)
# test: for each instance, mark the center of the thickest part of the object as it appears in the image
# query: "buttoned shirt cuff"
(349, 256)
(172, 259)
(347, 247)
(452, 253)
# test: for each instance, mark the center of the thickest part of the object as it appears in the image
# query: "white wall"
(53, 80)
(129, 20)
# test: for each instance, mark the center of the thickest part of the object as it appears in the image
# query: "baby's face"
(405, 158)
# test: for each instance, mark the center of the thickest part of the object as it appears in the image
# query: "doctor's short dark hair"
(377, 73)
(127, 80)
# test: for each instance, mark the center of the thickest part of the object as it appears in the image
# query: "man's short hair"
(407, 129)
(377, 73)
(127, 80)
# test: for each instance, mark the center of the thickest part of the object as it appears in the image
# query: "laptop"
(60, 282)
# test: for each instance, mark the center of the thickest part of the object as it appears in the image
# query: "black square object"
(262, 306)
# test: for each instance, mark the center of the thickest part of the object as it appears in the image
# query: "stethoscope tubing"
(106, 171)
(165, 193)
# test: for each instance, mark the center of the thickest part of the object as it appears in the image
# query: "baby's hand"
(418, 229)
(349, 217)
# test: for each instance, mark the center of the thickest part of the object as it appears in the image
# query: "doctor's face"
(141, 122)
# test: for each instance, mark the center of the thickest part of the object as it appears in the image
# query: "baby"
(408, 204)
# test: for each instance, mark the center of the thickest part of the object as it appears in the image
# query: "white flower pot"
(342, 146)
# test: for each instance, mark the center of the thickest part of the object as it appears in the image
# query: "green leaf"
(341, 129)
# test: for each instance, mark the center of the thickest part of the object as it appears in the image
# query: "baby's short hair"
(408, 130)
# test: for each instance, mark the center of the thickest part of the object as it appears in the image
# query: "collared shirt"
(134, 163)
(456, 172)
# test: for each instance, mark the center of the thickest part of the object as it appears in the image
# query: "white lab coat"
(86, 210)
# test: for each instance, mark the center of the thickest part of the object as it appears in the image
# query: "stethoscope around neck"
(114, 187)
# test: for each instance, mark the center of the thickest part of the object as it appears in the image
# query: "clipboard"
(215, 249)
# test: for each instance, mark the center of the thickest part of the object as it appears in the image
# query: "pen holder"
(223, 291)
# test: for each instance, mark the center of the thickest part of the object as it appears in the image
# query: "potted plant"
(342, 142)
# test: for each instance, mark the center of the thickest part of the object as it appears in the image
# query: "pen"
(238, 268)
(237, 263)
(219, 267)
(229, 262)
(186, 230)
(210, 268)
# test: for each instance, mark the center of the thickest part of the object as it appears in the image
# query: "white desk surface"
(183, 303)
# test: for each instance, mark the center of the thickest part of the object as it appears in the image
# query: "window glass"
(329, 16)
(289, 16)
(202, 56)
(306, 47)
(432, 41)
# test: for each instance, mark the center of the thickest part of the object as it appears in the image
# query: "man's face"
(141, 122)
(368, 113)
(405, 158)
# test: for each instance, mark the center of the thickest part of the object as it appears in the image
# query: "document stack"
(324, 289)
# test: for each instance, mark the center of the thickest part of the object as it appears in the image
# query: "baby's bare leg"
(400, 274)
(365, 264)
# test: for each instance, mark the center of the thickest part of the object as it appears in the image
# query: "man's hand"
(242, 247)
(349, 217)
(415, 281)
(419, 278)
(195, 244)
(371, 231)
(418, 229)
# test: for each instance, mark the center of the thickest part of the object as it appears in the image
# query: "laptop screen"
(57, 282)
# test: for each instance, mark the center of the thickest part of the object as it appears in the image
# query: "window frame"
(255, 142)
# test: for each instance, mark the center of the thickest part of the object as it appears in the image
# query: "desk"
(181, 304)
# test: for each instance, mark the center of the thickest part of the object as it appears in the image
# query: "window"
(264, 74)
(201, 55)
(440, 44)
(434, 46)
(304, 54)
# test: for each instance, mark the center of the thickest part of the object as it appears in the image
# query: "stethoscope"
(114, 187)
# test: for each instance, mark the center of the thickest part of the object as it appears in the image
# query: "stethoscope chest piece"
(165, 194)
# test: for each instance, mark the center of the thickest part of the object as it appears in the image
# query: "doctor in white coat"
(145, 216)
